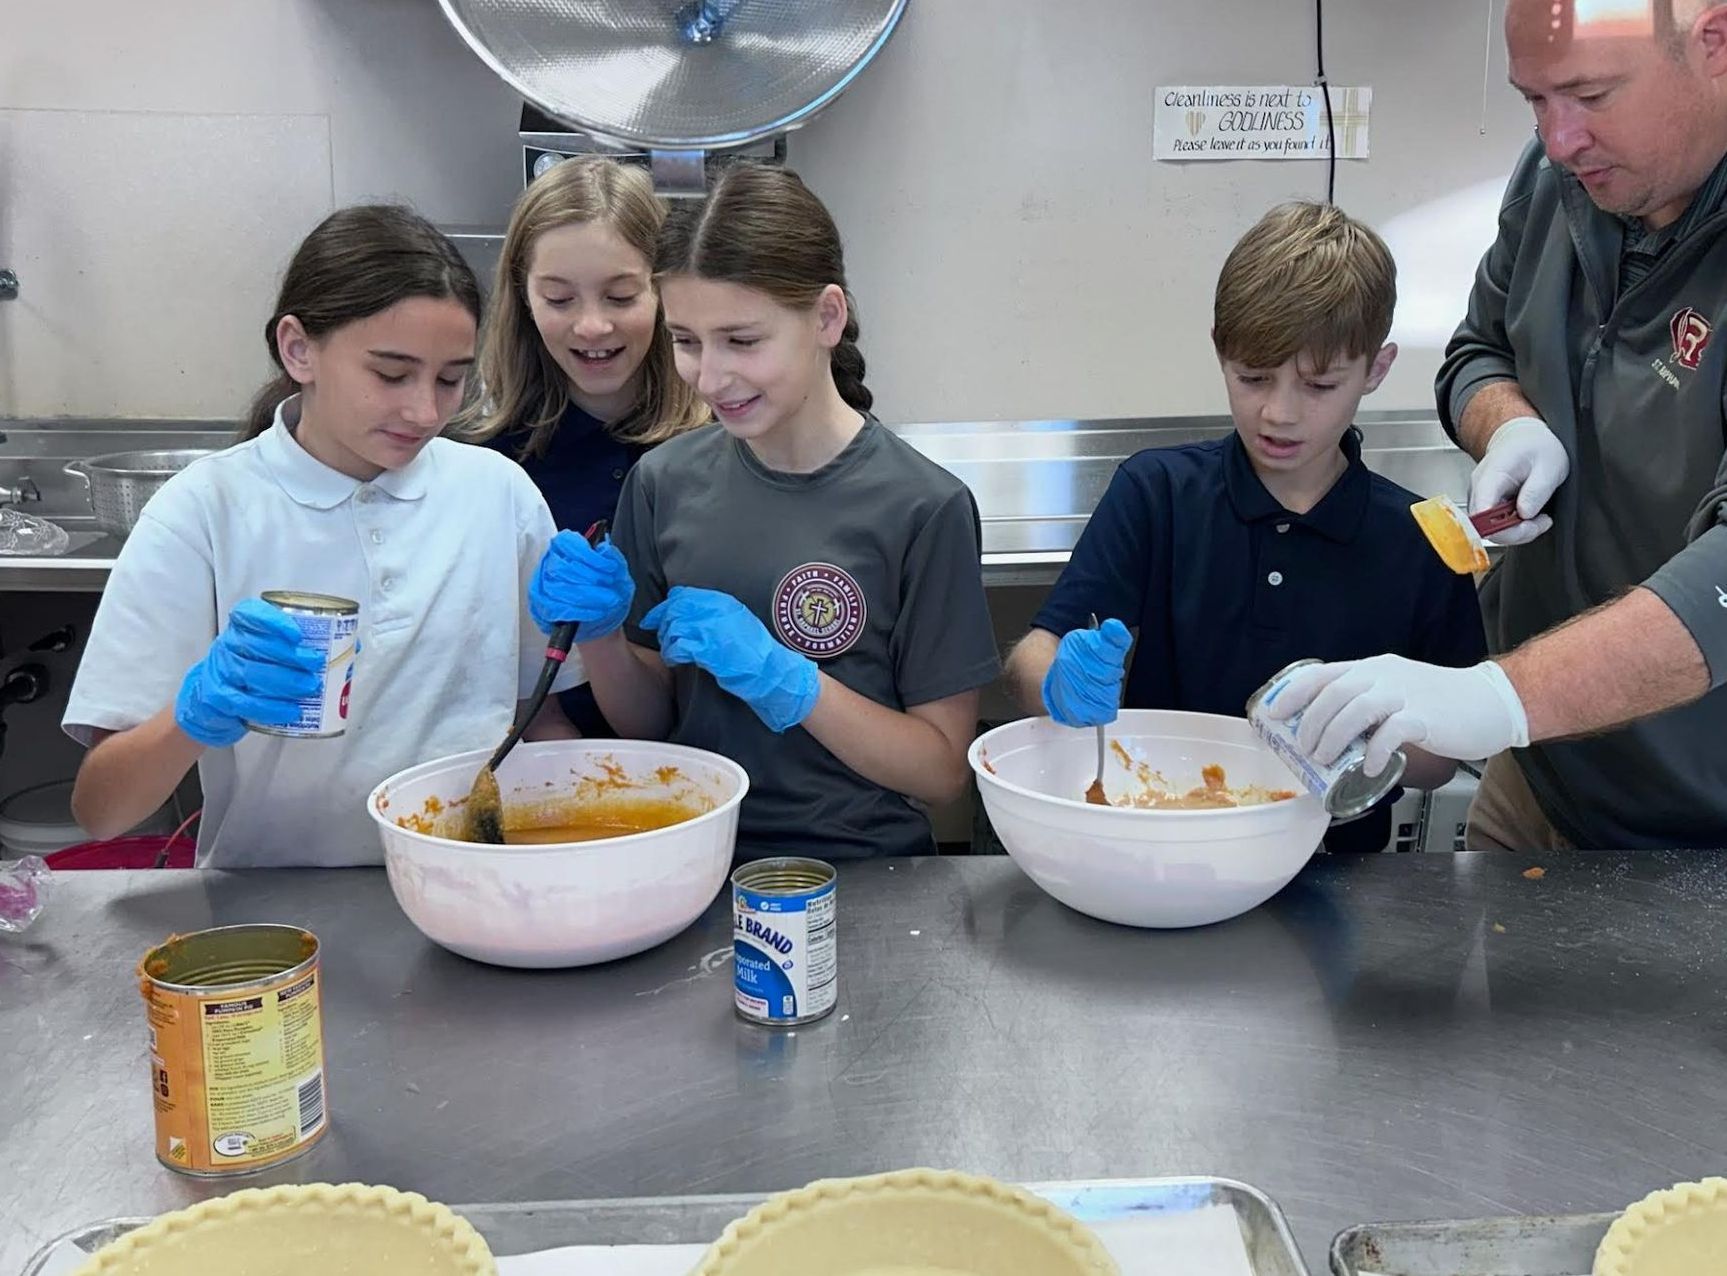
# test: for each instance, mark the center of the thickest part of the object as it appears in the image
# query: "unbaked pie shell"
(296, 1229)
(907, 1223)
(1680, 1231)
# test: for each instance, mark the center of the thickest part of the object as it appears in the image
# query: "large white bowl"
(1142, 867)
(561, 904)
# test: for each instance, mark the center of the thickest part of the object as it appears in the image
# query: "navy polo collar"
(1338, 516)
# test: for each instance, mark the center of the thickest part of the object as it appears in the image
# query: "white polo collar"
(312, 483)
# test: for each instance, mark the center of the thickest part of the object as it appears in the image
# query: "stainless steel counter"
(1036, 482)
(1392, 1037)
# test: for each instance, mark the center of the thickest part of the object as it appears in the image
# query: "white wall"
(1015, 250)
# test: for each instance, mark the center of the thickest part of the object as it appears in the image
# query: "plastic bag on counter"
(26, 535)
(24, 889)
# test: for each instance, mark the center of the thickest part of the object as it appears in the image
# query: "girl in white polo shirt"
(340, 486)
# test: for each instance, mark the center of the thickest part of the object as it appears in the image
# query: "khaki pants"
(1505, 815)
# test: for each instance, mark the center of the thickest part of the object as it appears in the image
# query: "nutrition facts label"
(258, 1051)
(334, 636)
(821, 956)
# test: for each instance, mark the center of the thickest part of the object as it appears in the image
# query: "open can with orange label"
(236, 1047)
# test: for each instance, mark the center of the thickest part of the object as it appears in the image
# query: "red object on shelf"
(141, 851)
(124, 852)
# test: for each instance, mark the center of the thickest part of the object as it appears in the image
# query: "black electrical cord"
(1325, 88)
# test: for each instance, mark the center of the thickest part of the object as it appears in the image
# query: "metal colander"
(122, 482)
(672, 76)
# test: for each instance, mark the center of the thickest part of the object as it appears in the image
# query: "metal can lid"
(299, 600)
(228, 957)
(1356, 793)
(786, 875)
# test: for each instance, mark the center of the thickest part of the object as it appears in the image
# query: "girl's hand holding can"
(258, 670)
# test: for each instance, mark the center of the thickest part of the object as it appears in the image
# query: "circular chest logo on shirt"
(819, 610)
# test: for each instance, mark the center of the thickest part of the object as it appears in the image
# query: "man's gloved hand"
(258, 670)
(1465, 714)
(715, 632)
(1524, 460)
(578, 581)
(1083, 685)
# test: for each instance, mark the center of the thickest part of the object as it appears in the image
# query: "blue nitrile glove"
(716, 632)
(1083, 685)
(257, 670)
(576, 581)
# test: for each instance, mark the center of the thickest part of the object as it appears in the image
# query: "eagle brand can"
(784, 964)
(236, 1047)
(1344, 786)
(330, 626)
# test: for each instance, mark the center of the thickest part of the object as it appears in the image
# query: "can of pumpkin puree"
(236, 1047)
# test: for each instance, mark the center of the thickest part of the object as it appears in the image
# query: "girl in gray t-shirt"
(792, 586)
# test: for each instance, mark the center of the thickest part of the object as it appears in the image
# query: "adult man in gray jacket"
(1588, 382)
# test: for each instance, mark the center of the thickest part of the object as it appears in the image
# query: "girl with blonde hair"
(576, 367)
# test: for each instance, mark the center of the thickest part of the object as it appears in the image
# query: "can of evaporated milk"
(784, 963)
(331, 626)
(1344, 786)
(236, 1047)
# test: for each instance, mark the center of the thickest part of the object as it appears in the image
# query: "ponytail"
(262, 414)
(848, 364)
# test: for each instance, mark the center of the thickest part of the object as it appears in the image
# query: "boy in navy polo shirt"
(1233, 557)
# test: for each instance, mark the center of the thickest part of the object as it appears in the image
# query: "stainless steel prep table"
(1392, 1037)
(1036, 482)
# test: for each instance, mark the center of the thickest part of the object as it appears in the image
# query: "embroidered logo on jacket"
(1691, 333)
(819, 610)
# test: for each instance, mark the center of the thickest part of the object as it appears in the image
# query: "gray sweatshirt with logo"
(1632, 381)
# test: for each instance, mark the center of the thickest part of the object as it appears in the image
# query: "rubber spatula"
(483, 812)
(1458, 536)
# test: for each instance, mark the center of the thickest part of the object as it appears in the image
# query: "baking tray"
(681, 1220)
(1562, 1245)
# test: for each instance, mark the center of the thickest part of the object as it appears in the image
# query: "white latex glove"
(1523, 459)
(1465, 714)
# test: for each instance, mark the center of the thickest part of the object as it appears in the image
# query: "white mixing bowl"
(1145, 867)
(568, 903)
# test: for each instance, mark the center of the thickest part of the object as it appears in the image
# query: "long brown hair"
(761, 227)
(359, 262)
(523, 385)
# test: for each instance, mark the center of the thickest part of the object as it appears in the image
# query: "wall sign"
(1265, 122)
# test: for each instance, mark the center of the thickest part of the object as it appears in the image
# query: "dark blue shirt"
(581, 471)
(1226, 587)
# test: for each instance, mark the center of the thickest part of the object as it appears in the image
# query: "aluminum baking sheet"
(1562, 1245)
(527, 1229)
